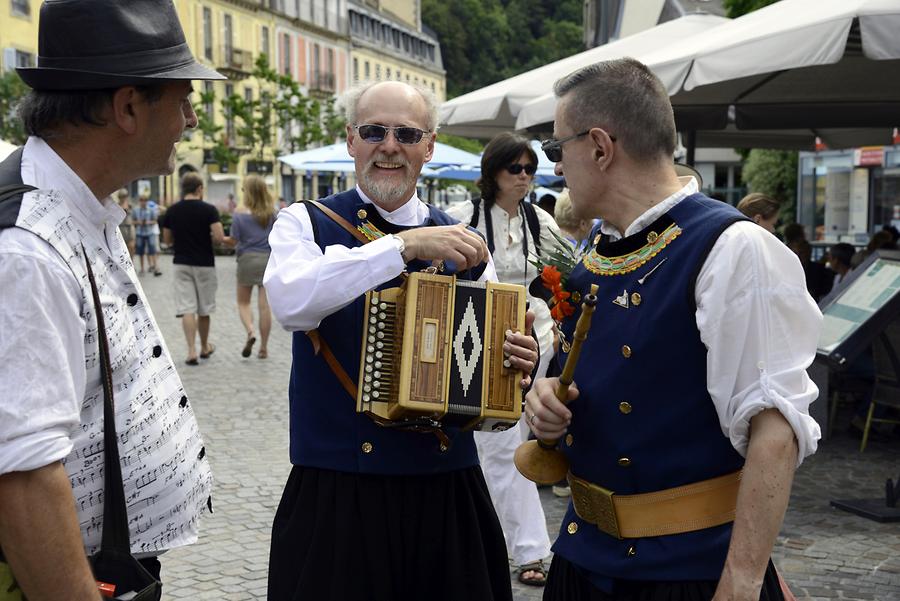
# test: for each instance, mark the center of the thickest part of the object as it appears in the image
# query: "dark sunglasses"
(517, 168)
(375, 134)
(553, 147)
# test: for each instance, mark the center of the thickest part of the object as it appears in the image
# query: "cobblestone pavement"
(241, 405)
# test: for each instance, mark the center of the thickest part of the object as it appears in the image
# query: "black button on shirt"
(157, 351)
(132, 299)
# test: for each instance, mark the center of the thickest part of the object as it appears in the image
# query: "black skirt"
(566, 582)
(361, 537)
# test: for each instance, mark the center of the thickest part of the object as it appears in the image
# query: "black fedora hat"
(97, 44)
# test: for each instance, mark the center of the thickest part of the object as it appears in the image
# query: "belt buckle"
(594, 504)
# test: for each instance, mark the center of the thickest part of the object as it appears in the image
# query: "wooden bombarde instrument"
(539, 460)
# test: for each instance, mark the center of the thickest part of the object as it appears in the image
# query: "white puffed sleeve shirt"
(306, 285)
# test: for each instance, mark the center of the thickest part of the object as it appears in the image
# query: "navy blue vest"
(326, 431)
(644, 420)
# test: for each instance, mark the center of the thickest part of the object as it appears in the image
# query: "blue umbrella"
(336, 154)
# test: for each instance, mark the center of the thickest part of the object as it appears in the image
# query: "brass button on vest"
(361, 214)
(569, 440)
(624, 462)
(636, 299)
(443, 448)
(572, 528)
(631, 551)
(367, 447)
(626, 351)
(625, 407)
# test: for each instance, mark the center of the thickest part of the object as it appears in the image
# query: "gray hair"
(624, 97)
(348, 102)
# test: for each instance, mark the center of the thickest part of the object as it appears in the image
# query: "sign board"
(869, 156)
(860, 308)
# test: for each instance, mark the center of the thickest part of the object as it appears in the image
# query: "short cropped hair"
(348, 102)
(190, 183)
(502, 151)
(625, 98)
(43, 111)
(760, 204)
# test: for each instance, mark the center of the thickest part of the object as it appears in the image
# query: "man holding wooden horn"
(690, 409)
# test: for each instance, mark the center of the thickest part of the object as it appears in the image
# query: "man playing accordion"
(371, 512)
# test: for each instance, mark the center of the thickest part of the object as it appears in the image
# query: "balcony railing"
(234, 62)
(322, 81)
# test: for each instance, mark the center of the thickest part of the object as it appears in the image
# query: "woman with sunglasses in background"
(515, 231)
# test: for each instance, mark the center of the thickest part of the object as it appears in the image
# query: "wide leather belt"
(671, 511)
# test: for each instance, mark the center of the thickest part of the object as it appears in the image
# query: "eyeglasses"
(375, 134)
(517, 168)
(553, 148)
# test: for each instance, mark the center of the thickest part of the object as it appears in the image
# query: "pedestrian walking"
(250, 228)
(191, 226)
(126, 228)
(109, 100)
(146, 219)
(411, 516)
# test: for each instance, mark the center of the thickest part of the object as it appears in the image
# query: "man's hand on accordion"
(521, 350)
(445, 243)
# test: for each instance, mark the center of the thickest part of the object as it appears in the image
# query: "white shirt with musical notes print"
(51, 398)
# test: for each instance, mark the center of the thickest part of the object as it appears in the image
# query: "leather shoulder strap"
(320, 346)
(339, 220)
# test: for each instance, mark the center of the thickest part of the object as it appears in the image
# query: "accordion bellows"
(434, 348)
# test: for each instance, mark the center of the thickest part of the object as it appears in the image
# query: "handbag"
(113, 564)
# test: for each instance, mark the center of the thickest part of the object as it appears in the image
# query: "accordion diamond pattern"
(466, 365)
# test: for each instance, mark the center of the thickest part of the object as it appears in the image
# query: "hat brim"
(687, 171)
(42, 78)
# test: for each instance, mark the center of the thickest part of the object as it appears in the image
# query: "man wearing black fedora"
(109, 101)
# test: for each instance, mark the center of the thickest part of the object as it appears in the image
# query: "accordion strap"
(320, 347)
(341, 222)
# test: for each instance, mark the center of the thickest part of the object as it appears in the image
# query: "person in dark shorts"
(192, 226)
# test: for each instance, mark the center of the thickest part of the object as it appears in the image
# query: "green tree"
(12, 89)
(737, 8)
(467, 144)
(485, 41)
(774, 173)
(279, 107)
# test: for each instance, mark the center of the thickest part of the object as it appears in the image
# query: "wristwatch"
(401, 245)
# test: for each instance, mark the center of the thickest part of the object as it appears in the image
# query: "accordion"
(432, 350)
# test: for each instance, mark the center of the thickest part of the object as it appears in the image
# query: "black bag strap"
(11, 188)
(115, 516)
(531, 219)
(534, 225)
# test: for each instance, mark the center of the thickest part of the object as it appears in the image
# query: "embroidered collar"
(627, 254)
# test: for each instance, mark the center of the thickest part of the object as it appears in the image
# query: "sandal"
(207, 354)
(192, 361)
(263, 353)
(539, 573)
(248, 347)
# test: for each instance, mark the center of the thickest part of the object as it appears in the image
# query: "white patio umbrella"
(493, 109)
(336, 158)
(781, 76)
(800, 64)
